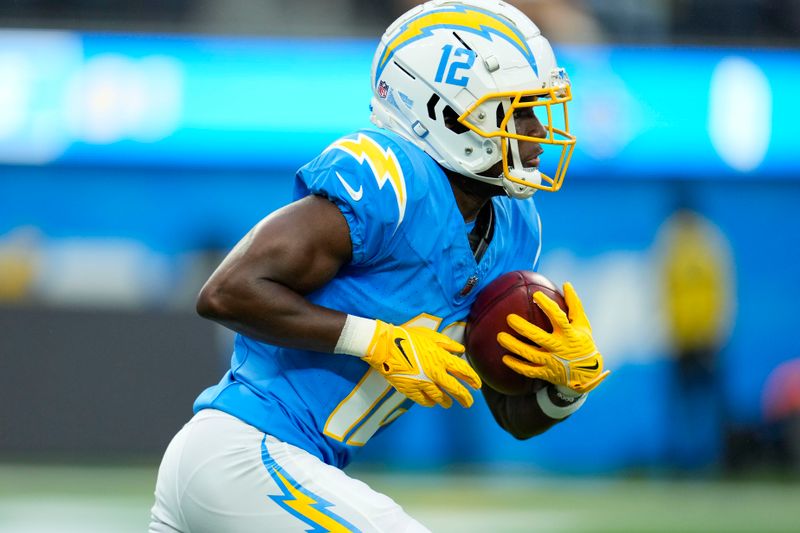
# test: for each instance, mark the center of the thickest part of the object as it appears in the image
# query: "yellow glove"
(568, 356)
(421, 363)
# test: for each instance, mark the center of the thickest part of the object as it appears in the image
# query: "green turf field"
(69, 499)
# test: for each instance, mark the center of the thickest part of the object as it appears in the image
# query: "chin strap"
(483, 231)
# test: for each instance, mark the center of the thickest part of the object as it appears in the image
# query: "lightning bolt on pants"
(221, 474)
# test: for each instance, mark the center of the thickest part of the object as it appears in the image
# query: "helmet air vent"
(432, 105)
(451, 121)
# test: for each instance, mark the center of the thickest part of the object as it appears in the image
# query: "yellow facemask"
(554, 101)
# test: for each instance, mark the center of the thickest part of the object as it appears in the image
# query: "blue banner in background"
(128, 162)
(132, 100)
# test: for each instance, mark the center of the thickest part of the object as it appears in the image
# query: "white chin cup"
(515, 190)
(519, 171)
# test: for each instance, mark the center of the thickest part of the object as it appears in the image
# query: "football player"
(349, 303)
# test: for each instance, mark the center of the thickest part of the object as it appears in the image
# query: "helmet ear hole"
(500, 114)
(432, 101)
(451, 121)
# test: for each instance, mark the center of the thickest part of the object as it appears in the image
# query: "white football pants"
(220, 474)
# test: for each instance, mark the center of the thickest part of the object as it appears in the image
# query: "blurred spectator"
(696, 276)
(19, 262)
(781, 406)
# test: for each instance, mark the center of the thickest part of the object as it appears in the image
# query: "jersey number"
(455, 66)
(373, 403)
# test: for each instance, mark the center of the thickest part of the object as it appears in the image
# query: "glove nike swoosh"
(399, 343)
(421, 363)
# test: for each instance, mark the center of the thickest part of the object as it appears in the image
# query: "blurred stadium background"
(140, 140)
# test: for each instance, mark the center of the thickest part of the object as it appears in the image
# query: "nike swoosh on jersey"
(398, 342)
(354, 194)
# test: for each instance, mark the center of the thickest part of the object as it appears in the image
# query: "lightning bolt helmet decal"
(470, 19)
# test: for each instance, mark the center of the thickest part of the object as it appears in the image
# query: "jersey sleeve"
(363, 176)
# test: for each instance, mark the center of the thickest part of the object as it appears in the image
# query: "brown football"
(510, 293)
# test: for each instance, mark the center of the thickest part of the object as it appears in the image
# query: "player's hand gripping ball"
(551, 338)
(510, 293)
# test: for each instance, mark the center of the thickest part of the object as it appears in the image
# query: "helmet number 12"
(455, 65)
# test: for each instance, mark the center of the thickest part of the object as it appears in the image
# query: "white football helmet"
(449, 75)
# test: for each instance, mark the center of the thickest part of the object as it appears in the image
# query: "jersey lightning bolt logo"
(469, 19)
(302, 503)
(383, 163)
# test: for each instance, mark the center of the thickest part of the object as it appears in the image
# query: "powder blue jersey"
(412, 264)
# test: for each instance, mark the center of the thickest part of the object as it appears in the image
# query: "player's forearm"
(521, 416)
(271, 312)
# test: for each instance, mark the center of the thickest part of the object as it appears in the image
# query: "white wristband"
(557, 412)
(356, 335)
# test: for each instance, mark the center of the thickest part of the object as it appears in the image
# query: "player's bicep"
(301, 246)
